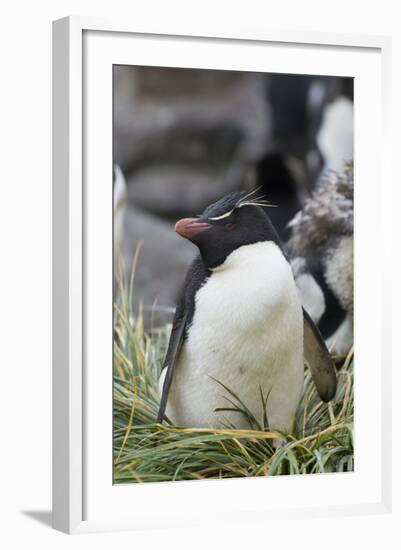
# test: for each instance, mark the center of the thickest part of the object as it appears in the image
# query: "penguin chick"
(323, 230)
(239, 322)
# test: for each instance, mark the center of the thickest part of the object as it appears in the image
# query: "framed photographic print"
(214, 287)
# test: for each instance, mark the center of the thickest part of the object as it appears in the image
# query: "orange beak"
(189, 227)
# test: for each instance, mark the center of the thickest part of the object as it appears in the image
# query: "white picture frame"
(84, 498)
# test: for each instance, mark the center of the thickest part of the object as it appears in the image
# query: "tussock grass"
(145, 451)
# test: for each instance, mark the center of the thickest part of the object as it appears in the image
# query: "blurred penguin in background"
(321, 245)
(321, 240)
(312, 119)
(119, 203)
(335, 138)
(312, 133)
(119, 208)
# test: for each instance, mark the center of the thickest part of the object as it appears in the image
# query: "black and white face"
(226, 225)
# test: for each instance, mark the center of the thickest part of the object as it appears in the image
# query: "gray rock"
(177, 191)
(195, 131)
(163, 260)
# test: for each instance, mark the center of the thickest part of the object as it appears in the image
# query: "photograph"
(232, 311)
(191, 278)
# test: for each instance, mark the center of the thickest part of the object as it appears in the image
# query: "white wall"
(25, 246)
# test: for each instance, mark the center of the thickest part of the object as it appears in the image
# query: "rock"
(163, 261)
(183, 128)
(176, 191)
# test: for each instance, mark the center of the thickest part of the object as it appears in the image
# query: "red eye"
(229, 226)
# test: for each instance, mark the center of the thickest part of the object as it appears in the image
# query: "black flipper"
(318, 358)
(196, 276)
(173, 351)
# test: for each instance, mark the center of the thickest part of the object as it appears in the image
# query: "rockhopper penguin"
(239, 321)
(322, 247)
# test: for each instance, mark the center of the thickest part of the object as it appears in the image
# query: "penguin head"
(234, 221)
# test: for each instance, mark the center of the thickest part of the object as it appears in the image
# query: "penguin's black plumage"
(239, 320)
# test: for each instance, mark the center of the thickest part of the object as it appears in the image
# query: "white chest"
(246, 332)
(245, 302)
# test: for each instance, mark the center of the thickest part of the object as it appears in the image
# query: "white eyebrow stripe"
(266, 205)
(248, 195)
(225, 215)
